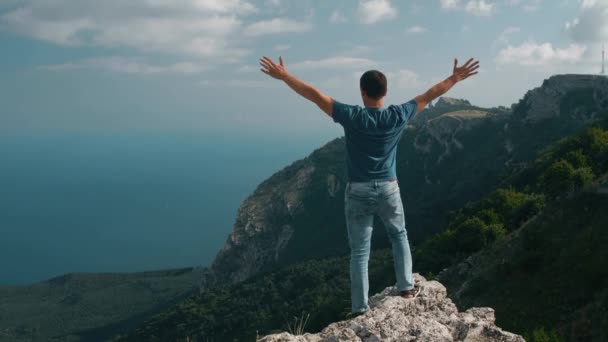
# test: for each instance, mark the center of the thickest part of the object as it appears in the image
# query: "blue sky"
(191, 66)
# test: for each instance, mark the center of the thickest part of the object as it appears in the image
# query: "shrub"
(559, 178)
(541, 335)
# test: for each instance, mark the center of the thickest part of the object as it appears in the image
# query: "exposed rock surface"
(429, 317)
(550, 99)
(443, 131)
(445, 101)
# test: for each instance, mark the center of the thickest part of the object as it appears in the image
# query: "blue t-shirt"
(372, 136)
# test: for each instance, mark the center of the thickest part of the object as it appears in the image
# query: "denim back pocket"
(359, 190)
(360, 200)
(390, 188)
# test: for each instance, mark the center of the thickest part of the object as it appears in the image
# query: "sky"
(191, 66)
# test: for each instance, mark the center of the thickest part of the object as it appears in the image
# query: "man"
(372, 134)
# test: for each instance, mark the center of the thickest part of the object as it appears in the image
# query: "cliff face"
(431, 316)
(451, 154)
(265, 220)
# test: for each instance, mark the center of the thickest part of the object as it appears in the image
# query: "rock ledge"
(432, 316)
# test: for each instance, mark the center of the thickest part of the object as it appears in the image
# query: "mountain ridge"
(273, 225)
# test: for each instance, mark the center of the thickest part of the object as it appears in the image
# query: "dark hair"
(373, 83)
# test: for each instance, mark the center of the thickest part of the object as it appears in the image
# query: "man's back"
(372, 135)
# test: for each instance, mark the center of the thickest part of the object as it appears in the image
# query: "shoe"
(355, 314)
(410, 294)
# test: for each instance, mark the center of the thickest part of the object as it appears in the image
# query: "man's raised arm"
(458, 74)
(309, 92)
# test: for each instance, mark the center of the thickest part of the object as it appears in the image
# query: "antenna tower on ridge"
(603, 60)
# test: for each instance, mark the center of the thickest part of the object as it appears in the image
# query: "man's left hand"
(269, 67)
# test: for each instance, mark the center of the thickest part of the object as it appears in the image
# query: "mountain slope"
(89, 306)
(457, 156)
(320, 287)
(551, 273)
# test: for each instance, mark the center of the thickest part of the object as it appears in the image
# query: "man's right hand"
(463, 72)
(458, 74)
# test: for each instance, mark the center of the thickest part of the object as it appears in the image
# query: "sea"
(126, 202)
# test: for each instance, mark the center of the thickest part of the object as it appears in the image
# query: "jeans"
(361, 201)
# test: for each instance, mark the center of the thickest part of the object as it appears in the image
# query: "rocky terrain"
(556, 97)
(431, 316)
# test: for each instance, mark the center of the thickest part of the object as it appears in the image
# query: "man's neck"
(373, 103)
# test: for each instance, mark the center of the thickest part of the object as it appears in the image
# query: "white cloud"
(532, 54)
(282, 47)
(479, 8)
(449, 4)
(526, 5)
(416, 29)
(128, 65)
(503, 38)
(337, 17)
(238, 83)
(246, 68)
(197, 28)
(358, 50)
(373, 11)
(277, 25)
(275, 3)
(338, 62)
(588, 3)
(403, 79)
(591, 24)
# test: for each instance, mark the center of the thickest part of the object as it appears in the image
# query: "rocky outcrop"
(451, 102)
(442, 106)
(443, 131)
(262, 226)
(581, 97)
(432, 316)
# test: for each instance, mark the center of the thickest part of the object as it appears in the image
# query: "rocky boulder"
(432, 316)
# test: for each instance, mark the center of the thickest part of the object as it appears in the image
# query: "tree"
(559, 178)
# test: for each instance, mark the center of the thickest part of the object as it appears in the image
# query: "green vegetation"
(477, 226)
(316, 290)
(561, 171)
(553, 274)
(541, 335)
